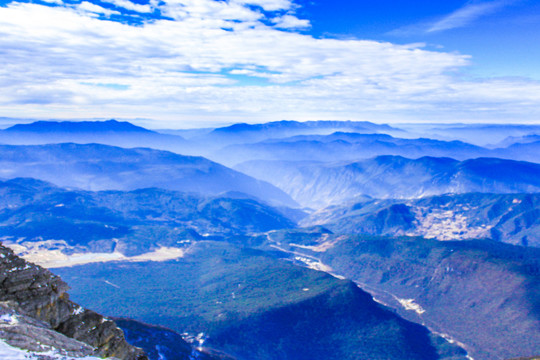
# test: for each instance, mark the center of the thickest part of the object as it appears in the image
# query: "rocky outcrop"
(36, 314)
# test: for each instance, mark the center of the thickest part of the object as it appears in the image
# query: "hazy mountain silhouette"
(321, 184)
(111, 132)
(480, 134)
(342, 146)
(59, 127)
(102, 167)
(251, 133)
(527, 150)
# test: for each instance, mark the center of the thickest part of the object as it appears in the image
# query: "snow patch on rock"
(9, 352)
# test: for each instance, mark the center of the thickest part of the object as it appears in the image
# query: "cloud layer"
(241, 59)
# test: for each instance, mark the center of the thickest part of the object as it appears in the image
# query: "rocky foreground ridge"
(37, 315)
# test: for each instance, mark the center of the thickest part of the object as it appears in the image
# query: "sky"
(187, 63)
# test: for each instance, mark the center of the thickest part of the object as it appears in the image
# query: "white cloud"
(57, 2)
(62, 62)
(128, 5)
(269, 5)
(290, 22)
(209, 10)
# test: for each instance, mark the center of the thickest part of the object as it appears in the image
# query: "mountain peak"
(309, 126)
(78, 126)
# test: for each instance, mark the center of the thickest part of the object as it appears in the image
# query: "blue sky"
(501, 36)
(203, 62)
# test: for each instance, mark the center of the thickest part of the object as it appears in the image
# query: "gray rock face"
(36, 314)
(25, 332)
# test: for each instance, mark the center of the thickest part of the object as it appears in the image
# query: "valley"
(430, 281)
(246, 302)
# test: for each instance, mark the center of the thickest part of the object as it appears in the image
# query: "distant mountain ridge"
(78, 127)
(285, 125)
(103, 167)
(110, 132)
(251, 133)
(319, 185)
(278, 140)
(511, 140)
(527, 151)
(345, 146)
(483, 134)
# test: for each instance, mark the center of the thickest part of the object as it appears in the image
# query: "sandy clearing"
(56, 258)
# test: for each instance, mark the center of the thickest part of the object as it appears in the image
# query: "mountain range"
(343, 146)
(201, 142)
(511, 140)
(39, 217)
(510, 218)
(328, 240)
(527, 150)
(488, 135)
(110, 132)
(61, 128)
(280, 140)
(318, 185)
(249, 133)
(103, 167)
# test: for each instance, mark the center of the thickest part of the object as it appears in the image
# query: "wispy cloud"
(96, 9)
(63, 61)
(466, 15)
